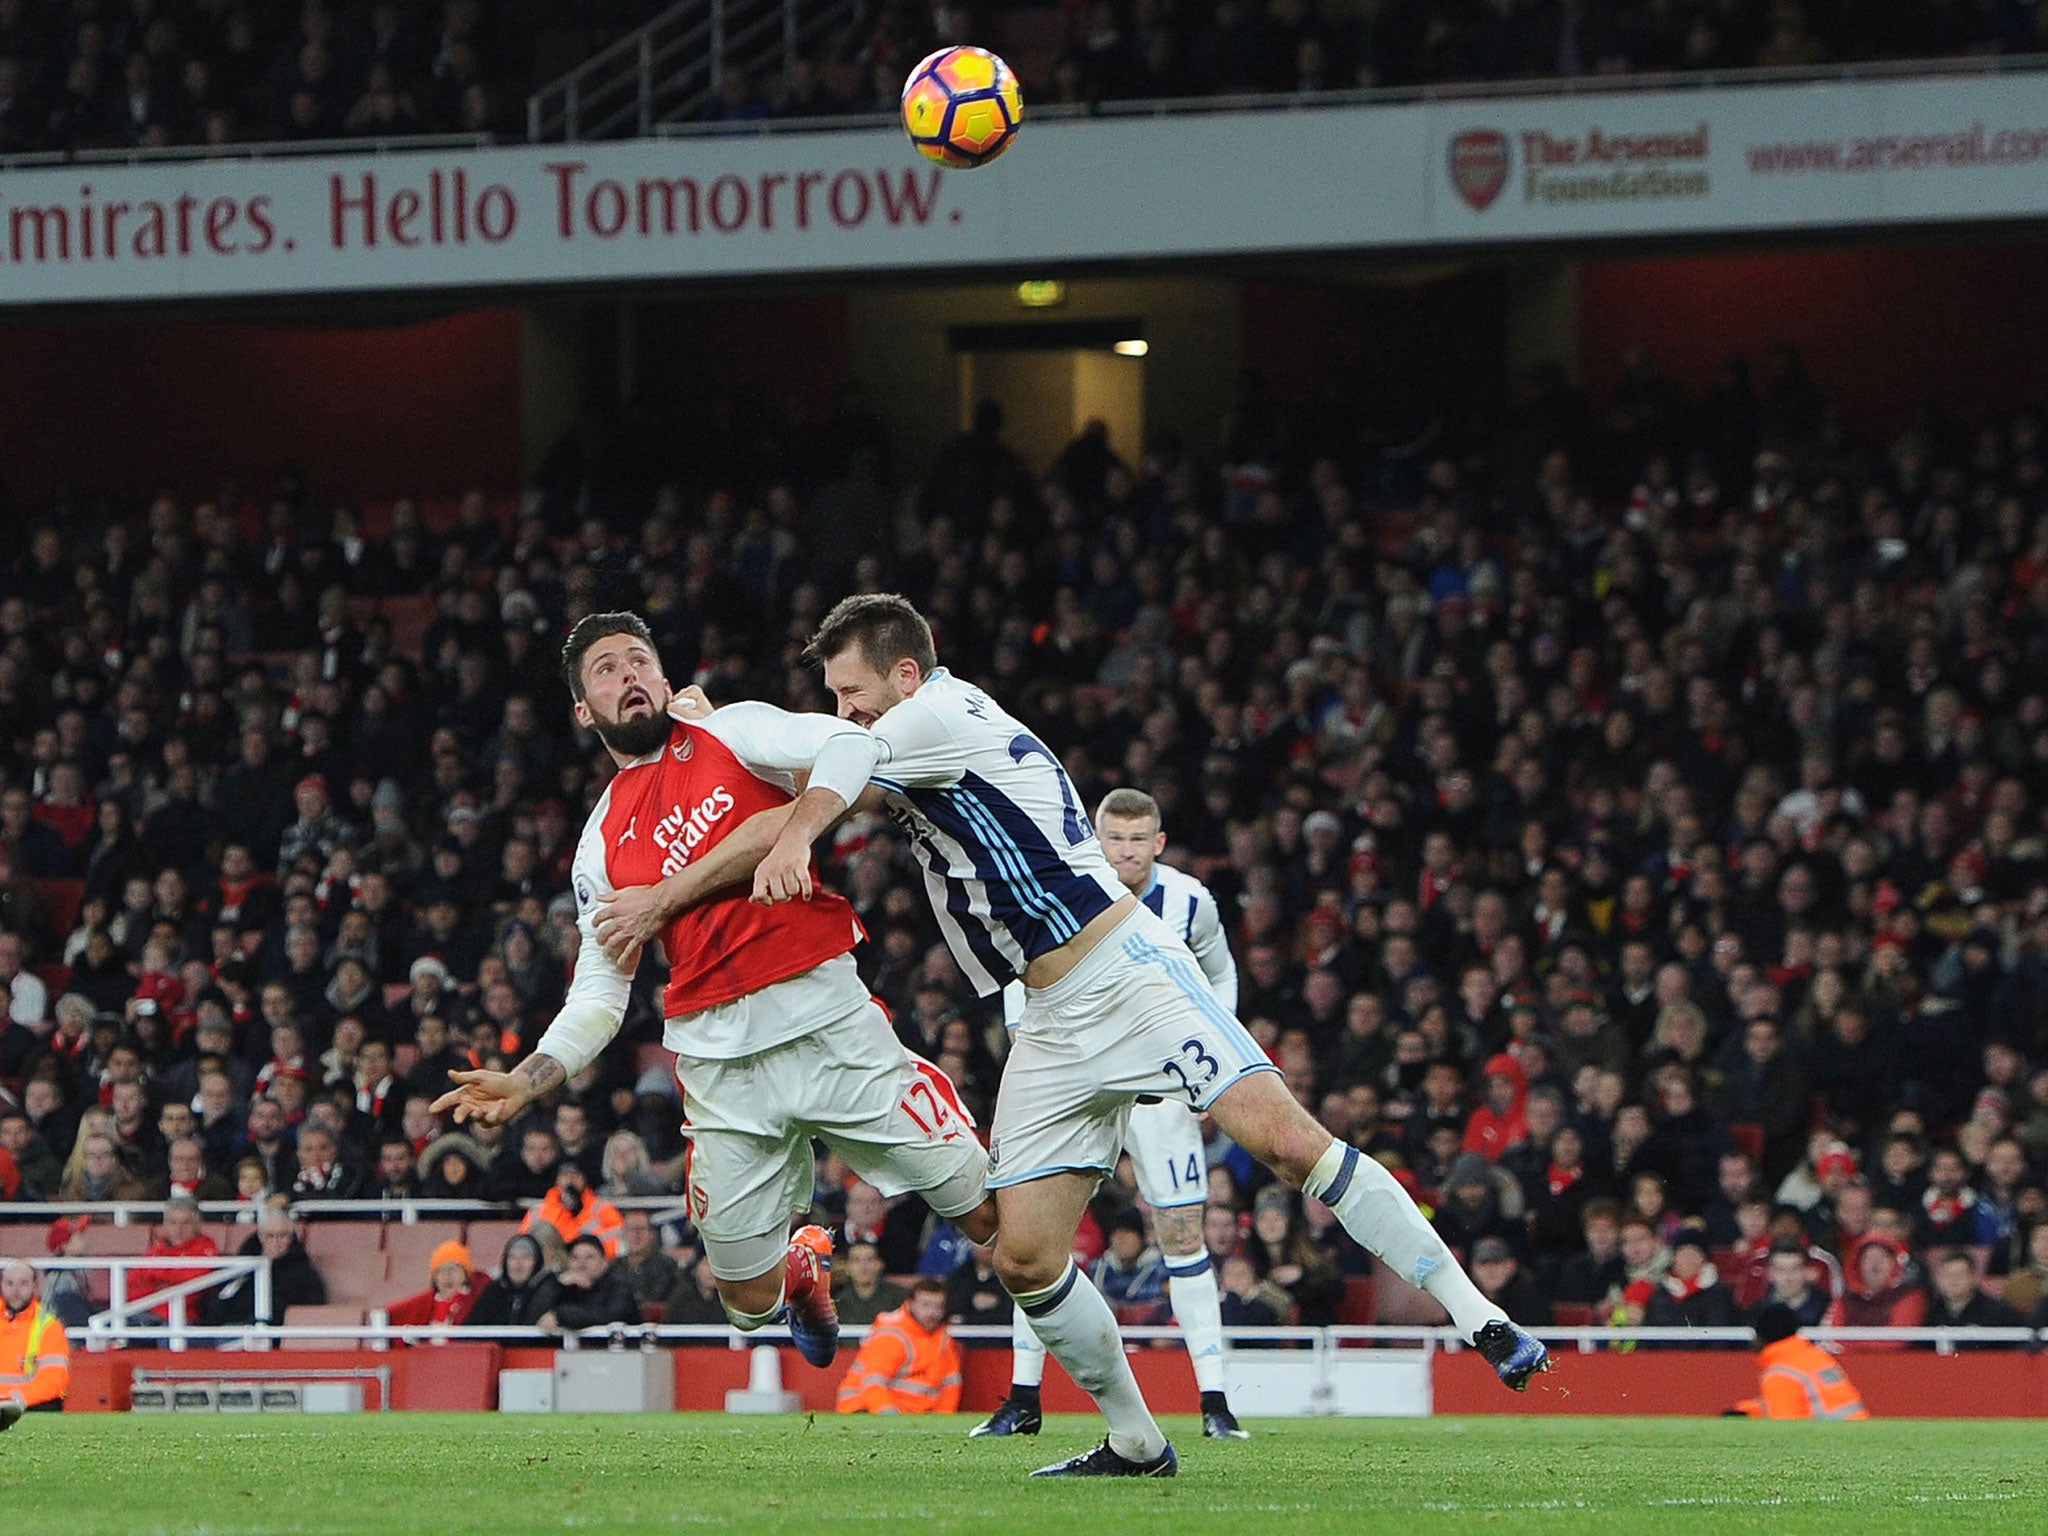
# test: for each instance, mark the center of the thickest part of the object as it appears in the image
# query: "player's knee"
(980, 1223)
(751, 1304)
(1023, 1273)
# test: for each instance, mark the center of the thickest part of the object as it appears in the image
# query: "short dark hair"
(928, 1285)
(587, 1240)
(1775, 1323)
(590, 629)
(885, 626)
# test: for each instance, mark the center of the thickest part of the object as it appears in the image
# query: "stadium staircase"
(669, 69)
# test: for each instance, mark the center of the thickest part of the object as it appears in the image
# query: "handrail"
(1411, 95)
(116, 1318)
(264, 149)
(409, 1212)
(1318, 1339)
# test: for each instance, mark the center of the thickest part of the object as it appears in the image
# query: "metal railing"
(379, 1334)
(671, 67)
(279, 149)
(410, 1212)
(119, 1319)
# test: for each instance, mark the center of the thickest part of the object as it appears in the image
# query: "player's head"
(1127, 822)
(876, 650)
(928, 1302)
(17, 1284)
(616, 680)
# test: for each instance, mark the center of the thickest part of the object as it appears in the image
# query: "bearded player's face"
(625, 697)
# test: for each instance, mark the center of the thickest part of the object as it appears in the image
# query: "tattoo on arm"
(541, 1074)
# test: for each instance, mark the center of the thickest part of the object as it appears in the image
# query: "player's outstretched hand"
(785, 875)
(689, 703)
(627, 919)
(488, 1098)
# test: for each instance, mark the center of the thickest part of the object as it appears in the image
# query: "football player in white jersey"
(1115, 1009)
(1165, 1135)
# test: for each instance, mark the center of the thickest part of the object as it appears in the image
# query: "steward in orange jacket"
(35, 1354)
(1800, 1380)
(908, 1362)
(572, 1210)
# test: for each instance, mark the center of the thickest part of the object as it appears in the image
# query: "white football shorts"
(1136, 1016)
(852, 1084)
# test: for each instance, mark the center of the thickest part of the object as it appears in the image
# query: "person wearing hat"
(64, 1293)
(1800, 1380)
(453, 1289)
(1691, 1294)
(318, 831)
(35, 1353)
(525, 1290)
(1499, 1276)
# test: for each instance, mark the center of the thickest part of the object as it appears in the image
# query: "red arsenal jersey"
(668, 809)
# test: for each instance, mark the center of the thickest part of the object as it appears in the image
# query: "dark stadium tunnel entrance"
(1052, 379)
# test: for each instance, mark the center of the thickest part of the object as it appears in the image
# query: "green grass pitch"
(401, 1474)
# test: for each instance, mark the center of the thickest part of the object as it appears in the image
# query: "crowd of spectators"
(1105, 50)
(1633, 828)
(108, 74)
(101, 74)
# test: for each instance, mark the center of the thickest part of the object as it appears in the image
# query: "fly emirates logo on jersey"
(684, 829)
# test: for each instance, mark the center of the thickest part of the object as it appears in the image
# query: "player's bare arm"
(633, 915)
(495, 1098)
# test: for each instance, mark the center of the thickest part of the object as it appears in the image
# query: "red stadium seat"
(1402, 1305)
(104, 1240)
(57, 901)
(487, 1240)
(652, 1054)
(410, 1248)
(653, 1311)
(359, 1276)
(1361, 1294)
(314, 1317)
(1572, 1314)
(24, 1240)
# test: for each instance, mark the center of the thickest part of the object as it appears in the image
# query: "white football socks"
(1375, 1209)
(1027, 1355)
(1198, 1308)
(1079, 1331)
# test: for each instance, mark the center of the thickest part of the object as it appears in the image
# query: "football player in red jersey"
(777, 1041)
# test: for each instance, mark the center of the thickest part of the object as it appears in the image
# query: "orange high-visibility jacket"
(35, 1355)
(903, 1366)
(599, 1217)
(1803, 1381)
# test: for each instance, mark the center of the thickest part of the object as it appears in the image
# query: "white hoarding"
(1682, 162)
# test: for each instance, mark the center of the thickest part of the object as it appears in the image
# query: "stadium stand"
(1688, 754)
(150, 74)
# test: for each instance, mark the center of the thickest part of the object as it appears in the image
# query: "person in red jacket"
(179, 1238)
(1501, 1122)
(1878, 1291)
(453, 1290)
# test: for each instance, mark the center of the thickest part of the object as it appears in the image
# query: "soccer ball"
(961, 107)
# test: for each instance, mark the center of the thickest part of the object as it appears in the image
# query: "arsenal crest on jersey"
(681, 750)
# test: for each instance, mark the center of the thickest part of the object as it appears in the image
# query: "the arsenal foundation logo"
(1479, 166)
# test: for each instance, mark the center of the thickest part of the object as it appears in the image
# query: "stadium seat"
(650, 1054)
(358, 1276)
(410, 1248)
(653, 1311)
(104, 1240)
(314, 1317)
(23, 1240)
(1361, 1294)
(55, 979)
(1401, 1305)
(1748, 1137)
(404, 1057)
(1572, 1314)
(57, 899)
(487, 1240)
